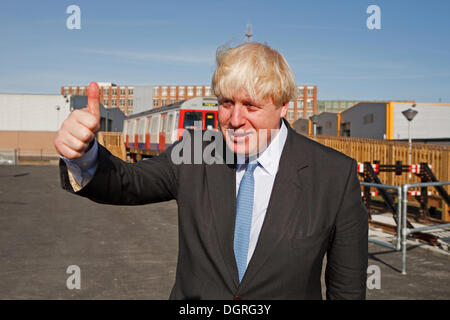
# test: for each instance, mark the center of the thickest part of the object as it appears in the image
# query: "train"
(151, 132)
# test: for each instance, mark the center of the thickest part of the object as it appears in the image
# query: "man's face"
(246, 124)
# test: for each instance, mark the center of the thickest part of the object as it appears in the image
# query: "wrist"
(90, 145)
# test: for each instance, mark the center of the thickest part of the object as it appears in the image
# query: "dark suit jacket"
(315, 209)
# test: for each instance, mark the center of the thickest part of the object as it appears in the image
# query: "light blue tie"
(244, 209)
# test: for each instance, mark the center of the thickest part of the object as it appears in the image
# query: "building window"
(369, 118)
(300, 103)
(181, 91)
(300, 91)
(122, 92)
(207, 91)
(199, 91)
(190, 91)
(319, 130)
(105, 102)
(155, 102)
(173, 91)
(122, 102)
(164, 91)
(105, 91)
(290, 115)
(172, 101)
(291, 104)
(345, 129)
(310, 103)
(310, 92)
(114, 92)
(130, 91)
(130, 102)
(113, 102)
(164, 102)
(155, 91)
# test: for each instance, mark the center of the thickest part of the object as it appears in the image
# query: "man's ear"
(284, 110)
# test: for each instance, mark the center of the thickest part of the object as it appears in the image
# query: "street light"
(409, 115)
(314, 119)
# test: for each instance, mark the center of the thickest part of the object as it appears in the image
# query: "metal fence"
(405, 230)
(15, 156)
(402, 230)
(37, 154)
(397, 247)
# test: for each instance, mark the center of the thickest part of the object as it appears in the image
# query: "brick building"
(134, 99)
(303, 106)
(111, 95)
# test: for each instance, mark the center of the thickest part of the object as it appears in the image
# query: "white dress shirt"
(83, 169)
(264, 176)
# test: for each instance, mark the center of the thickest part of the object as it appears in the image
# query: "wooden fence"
(388, 152)
(113, 141)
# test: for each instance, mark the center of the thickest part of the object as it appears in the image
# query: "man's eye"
(227, 103)
(252, 107)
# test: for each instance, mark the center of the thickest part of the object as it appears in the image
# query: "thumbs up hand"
(79, 129)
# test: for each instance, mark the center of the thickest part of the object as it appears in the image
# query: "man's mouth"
(238, 136)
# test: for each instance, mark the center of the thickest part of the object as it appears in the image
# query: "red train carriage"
(150, 132)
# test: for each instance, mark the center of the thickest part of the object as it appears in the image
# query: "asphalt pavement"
(130, 252)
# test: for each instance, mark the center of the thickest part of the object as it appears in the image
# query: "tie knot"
(251, 167)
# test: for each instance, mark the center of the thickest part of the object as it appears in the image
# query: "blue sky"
(326, 42)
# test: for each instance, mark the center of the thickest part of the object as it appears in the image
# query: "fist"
(79, 129)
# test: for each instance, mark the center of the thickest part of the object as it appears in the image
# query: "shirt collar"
(269, 159)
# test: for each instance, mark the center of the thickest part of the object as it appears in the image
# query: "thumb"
(93, 100)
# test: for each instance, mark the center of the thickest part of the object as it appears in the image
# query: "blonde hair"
(256, 67)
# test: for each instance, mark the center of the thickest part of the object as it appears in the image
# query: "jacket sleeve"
(120, 183)
(347, 256)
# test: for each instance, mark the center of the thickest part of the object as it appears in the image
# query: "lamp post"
(409, 115)
(314, 119)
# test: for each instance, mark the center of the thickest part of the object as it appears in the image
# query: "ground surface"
(131, 252)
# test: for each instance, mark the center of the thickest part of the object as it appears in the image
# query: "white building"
(33, 112)
(384, 120)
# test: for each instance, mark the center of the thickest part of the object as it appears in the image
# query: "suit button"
(237, 298)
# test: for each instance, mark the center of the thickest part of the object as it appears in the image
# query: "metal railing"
(403, 231)
(38, 154)
(397, 247)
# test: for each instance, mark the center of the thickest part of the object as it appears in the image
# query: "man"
(257, 228)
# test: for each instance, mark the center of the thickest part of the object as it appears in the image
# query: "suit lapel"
(221, 179)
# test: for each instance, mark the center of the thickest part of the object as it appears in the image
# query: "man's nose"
(238, 116)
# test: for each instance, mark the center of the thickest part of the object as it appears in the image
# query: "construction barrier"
(429, 201)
